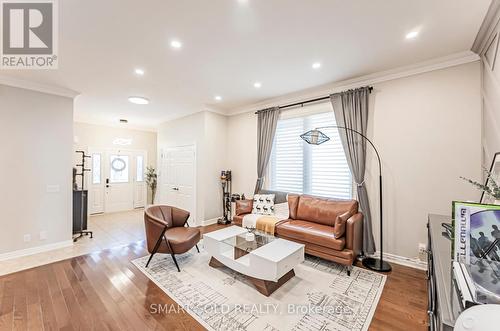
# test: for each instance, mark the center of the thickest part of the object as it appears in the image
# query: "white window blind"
(298, 167)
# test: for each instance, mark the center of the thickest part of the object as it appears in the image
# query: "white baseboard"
(406, 261)
(35, 250)
(210, 221)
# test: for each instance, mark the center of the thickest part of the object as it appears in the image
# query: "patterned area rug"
(320, 297)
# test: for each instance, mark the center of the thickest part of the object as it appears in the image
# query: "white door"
(119, 182)
(178, 179)
(140, 188)
(95, 183)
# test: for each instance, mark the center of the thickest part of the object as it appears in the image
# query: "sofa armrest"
(354, 233)
(243, 207)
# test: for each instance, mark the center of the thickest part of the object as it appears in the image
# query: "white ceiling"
(230, 44)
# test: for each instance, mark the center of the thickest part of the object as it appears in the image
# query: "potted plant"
(491, 187)
(151, 181)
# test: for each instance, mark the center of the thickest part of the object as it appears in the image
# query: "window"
(119, 169)
(140, 169)
(298, 167)
(96, 168)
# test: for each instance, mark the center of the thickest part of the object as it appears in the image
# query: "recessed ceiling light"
(218, 98)
(257, 84)
(316, 65)
(138, 100)
(139, 72)
(412, 34)
(176, 44)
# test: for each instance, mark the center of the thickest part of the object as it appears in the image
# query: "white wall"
(101, 137)
(37, 152)
(215, 161)
(428, 131)
(242, 152)
(208, 132)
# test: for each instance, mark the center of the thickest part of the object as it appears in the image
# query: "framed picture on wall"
(495, 172)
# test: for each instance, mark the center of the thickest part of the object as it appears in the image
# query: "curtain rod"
(307, 101)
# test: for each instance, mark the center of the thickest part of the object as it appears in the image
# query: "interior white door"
(95, 183)
(178, 179)
(119, 185)
(140, 187)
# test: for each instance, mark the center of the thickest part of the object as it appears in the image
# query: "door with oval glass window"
(119, 187)
(117, 181)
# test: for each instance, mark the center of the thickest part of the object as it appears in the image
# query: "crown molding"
(38, 87)
(378, 77)
(489, 25)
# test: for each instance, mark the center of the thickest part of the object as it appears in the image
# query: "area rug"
(320, 297)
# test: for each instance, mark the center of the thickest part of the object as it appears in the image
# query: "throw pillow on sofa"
(281, 210)
(263, 204)
(340, 225)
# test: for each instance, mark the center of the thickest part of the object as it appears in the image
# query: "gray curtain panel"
(351, 111)
(266, 129)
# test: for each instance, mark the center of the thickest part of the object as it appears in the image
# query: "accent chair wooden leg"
(349, 269)
(175, 261)
(197, 248)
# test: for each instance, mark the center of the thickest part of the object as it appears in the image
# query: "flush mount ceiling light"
(218, 98)
(316, 65)
(122, 141)
(412, 34)
(257, 84)
(138, 100)
(139, 72)
(176, 44)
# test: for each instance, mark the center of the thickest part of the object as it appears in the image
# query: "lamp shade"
(314, 137)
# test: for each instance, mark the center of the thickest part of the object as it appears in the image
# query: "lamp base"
(376, 264)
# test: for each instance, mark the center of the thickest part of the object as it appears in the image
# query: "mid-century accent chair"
(168, 232)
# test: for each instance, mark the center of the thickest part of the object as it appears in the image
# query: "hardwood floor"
(104, 291)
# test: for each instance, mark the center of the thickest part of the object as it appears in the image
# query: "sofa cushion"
(244, 207)
(306, 231)
(340, 224)
(293, 202)
(323, 210)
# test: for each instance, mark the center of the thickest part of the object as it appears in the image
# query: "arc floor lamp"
(316, 137)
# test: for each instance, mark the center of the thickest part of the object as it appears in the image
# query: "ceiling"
(228, 45)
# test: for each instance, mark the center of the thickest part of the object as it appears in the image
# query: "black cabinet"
(80, 200)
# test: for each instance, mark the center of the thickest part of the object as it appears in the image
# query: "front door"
(117, 181)
(119, 184)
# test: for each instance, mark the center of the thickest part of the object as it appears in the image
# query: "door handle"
(175, 188)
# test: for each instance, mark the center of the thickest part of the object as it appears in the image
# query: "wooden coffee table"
(266, 261)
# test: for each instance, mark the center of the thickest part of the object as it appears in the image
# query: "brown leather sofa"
(168, 232)
(311, 222)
